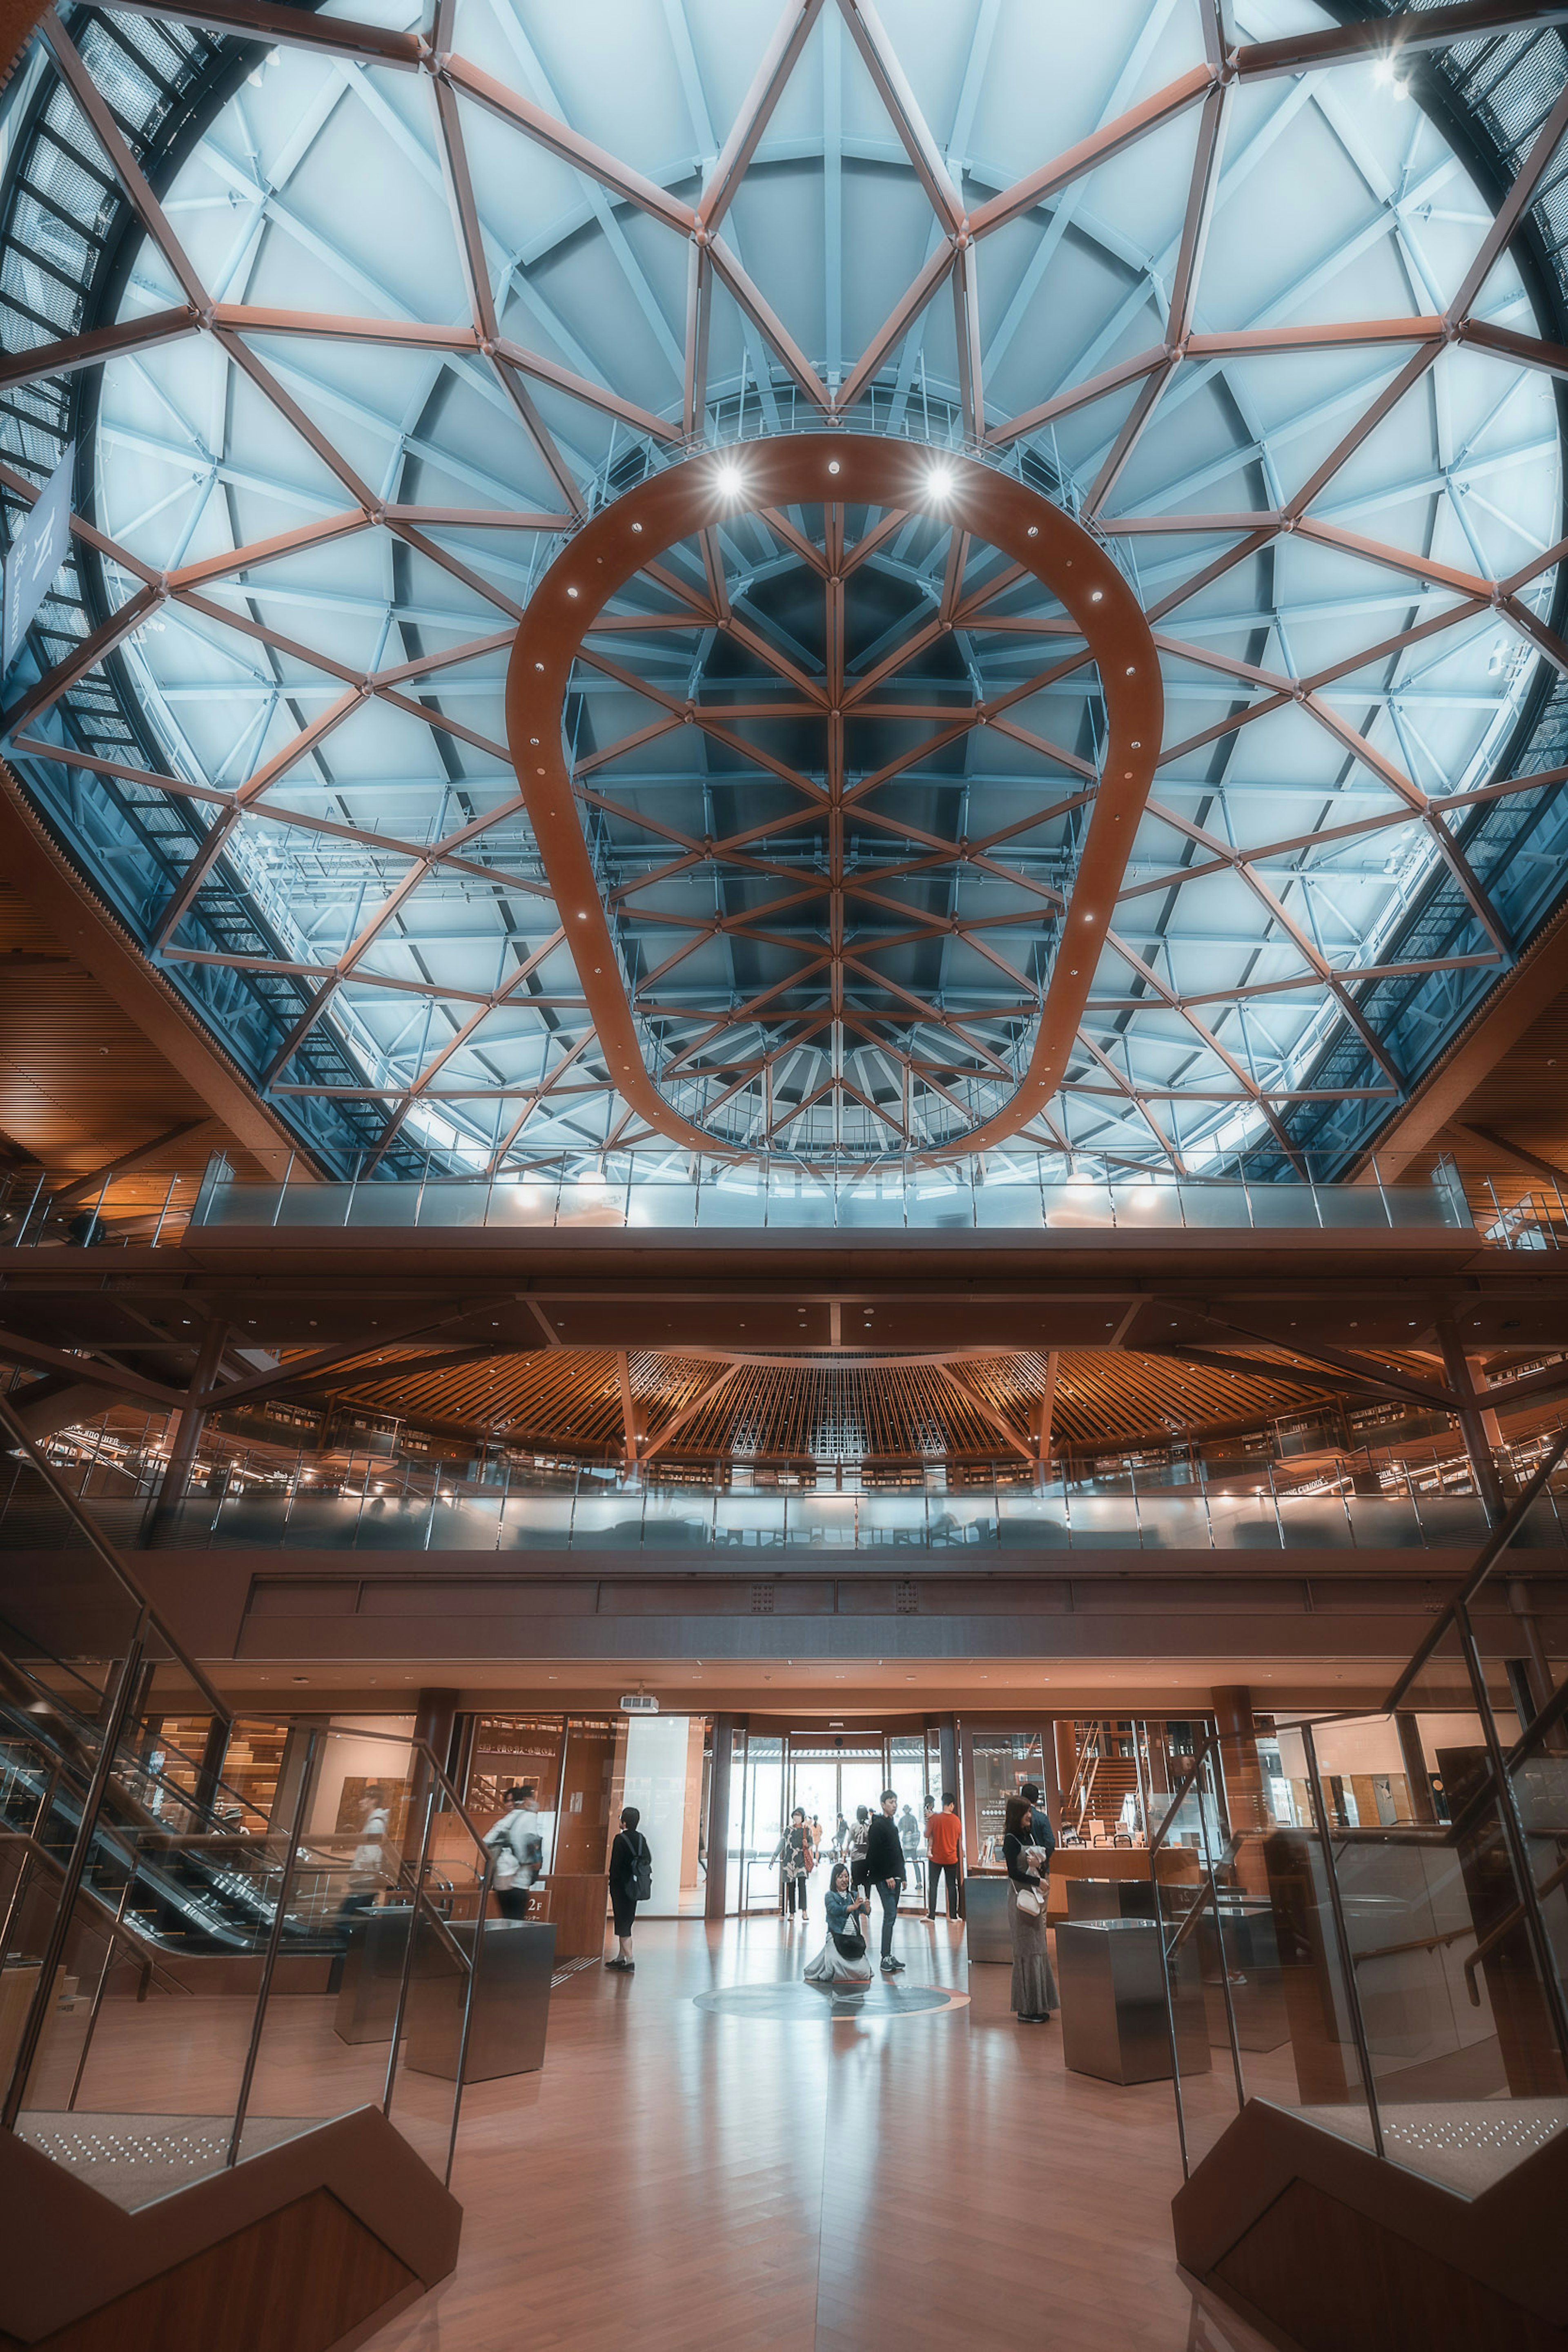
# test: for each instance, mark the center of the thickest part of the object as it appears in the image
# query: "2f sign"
(36, 553)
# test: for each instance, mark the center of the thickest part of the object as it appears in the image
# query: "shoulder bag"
(645, 1869)
(850, 1947)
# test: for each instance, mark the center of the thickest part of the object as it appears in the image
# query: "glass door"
(831, 1782)
(755, 1850)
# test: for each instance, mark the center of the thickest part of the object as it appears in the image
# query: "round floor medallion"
(792, 2003)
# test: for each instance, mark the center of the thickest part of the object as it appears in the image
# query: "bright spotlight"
(939, 482)
(730, 480)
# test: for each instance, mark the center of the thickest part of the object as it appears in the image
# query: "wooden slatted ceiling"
(570, 1398)
(79, 1083)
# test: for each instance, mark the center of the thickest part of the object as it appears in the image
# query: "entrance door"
(831, 1782)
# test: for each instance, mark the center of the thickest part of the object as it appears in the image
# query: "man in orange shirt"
(944, 1844)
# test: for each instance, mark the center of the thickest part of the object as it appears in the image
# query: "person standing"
(1043, 1835)
(854, 1850)
(944, 1844)
(1034, 1992)
(631, 1882)
(797, 1851)
(886, 1873)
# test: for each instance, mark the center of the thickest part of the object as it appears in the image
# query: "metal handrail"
(1505, 1927)
(1495, 1544)
(132, 1937)
(1415, 1944)
(106, 1552)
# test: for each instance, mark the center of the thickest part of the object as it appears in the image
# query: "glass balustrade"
(1365, 1915)
(1000, 1191)
(315, 1510)
(217, 1932)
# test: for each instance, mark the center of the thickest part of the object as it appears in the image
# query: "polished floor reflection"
(682, 2176)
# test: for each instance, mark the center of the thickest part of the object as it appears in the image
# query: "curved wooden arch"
(688, 497)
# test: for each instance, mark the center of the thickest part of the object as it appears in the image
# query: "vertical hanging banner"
(36, 553)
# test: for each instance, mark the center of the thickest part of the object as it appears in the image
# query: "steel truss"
(529, 1032)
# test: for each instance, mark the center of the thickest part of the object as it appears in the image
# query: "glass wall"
(1003, 1761)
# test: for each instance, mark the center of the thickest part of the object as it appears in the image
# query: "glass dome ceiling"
(414, 296)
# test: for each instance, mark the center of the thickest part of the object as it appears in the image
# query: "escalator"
(188, 1869)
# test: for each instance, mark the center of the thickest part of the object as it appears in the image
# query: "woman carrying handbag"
(843, 1961)
(631, 1882)
(798, 1852)
(1034, 1994)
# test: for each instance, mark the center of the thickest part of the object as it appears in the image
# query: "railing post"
(114, 1723)
(1513, 1836)
(273, 1940)
(1341, 1939)
(163, 1212)
(423, 1865)
(468, 2014)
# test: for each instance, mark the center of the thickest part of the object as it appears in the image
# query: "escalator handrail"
(76, 1511)
(135, 1939)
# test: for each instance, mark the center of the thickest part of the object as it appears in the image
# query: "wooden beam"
(1492, 1030)
(138, 1158)
(38, 1358)
(1497, 1142)
(90, 933)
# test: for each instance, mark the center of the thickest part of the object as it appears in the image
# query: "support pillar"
(1418, 1772)
(1473, 1423)
(1543, 1682)
(718, 1783)
(187, 1432)
(435, 1722)
(948, 1754)
(1246, 1802)
(1064, 1741)
(215, 1755)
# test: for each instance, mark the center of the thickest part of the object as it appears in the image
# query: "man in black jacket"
(884, 1872)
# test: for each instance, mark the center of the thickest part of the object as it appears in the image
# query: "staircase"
(178, 2174)
(1374, 2124)
(1103, 1778)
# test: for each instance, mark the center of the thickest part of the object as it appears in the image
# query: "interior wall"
(656, 1779)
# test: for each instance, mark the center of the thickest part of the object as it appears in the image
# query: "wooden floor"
(675, 2179)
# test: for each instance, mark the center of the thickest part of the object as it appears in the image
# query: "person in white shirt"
(517, 1841)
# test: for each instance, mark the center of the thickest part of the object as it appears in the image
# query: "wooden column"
(436, 1720)
(1246, 1802)
(1065, 1747)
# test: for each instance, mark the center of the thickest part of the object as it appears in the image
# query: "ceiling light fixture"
(939, 482)
(731, 480)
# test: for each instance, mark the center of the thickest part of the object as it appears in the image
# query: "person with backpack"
(517, 1841)
(631, 1882)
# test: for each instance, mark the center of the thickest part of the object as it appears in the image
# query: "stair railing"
(1204, 1782)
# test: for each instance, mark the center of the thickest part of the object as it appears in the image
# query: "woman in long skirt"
(1034, 1994)
(833, 1965)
